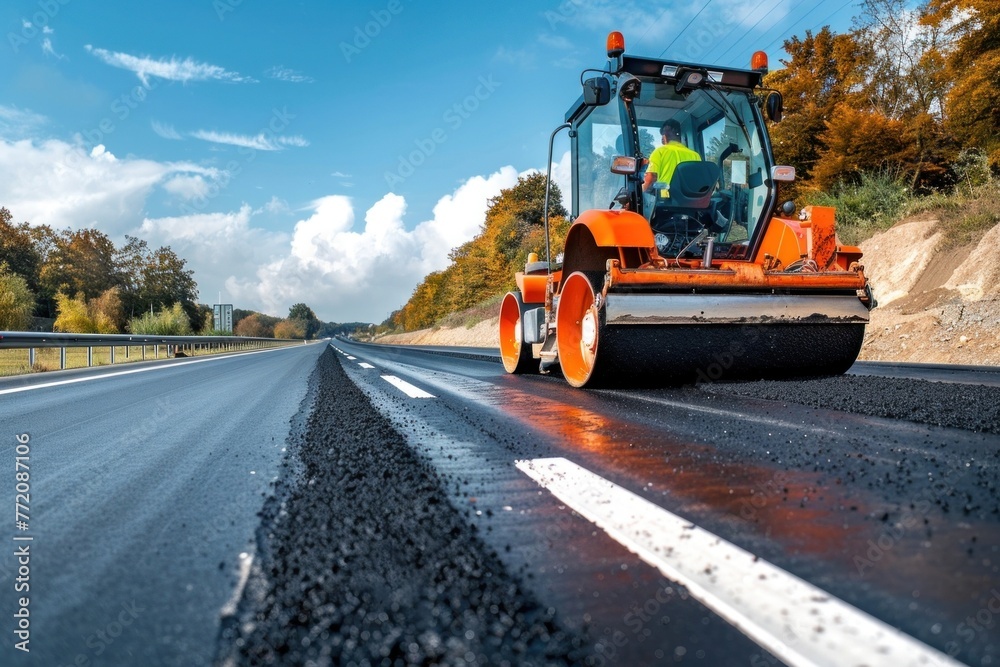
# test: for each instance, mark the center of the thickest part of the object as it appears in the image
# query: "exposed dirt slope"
(935, 306)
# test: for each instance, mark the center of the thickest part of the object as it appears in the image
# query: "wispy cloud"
(285, 74)
(260, 142)
(166, 131)
(173, 69)
(340, 174)
(18, 123)
(525, 58)
(50, 50)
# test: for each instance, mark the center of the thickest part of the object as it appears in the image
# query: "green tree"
(165, 281)
(172, 321)
(305, 314)
(17, 302)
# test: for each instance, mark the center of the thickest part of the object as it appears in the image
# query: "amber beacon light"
(758, 61)
(616, 44)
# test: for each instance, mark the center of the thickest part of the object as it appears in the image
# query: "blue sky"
(325, 152)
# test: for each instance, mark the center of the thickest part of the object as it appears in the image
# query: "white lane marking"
(733, 414)
(794, 620)
(350, 358)
(246, 560)
(365, 364)
(89, 378)
(406, 387)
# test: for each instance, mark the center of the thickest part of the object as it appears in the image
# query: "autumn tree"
(904, 89)
(17, 249)
(256, 325)
(81, 261)
(973, 64)
(73, 315)
(17, 302)
(78, 314)
(823, 73)
(484, 267)
(289, 328)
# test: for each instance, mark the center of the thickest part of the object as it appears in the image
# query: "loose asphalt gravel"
(362, 560)
(972, 407)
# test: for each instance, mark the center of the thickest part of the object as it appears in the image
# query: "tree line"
(81, 282)
(81, 277)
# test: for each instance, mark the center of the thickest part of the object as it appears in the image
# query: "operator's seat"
(688, 209)
(691, 186)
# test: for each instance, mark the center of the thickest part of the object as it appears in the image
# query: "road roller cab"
(680, 265)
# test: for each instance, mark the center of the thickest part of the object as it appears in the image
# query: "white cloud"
(60, 184)
(276, 206)
(562, 175)
(166, 131)
(285, 74)
(347, 274)
(173, 69)
(261, 141)
(218, 247)
(187, 187)
(458, 217)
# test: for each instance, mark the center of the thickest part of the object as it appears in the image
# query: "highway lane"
(974, 375)
(898, 519)
(144, 491)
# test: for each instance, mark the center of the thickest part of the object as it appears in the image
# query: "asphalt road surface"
(376, 505)
(144, 490)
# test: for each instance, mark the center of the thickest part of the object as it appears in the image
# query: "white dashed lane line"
(365, 364)
(406, 387)
(794, 620)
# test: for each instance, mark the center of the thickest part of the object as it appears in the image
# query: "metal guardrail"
(32, 340)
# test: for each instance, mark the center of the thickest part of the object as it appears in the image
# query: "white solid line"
(365, 364)
(102, 376)
(794, 620)
(230, 608)
(406, 387)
